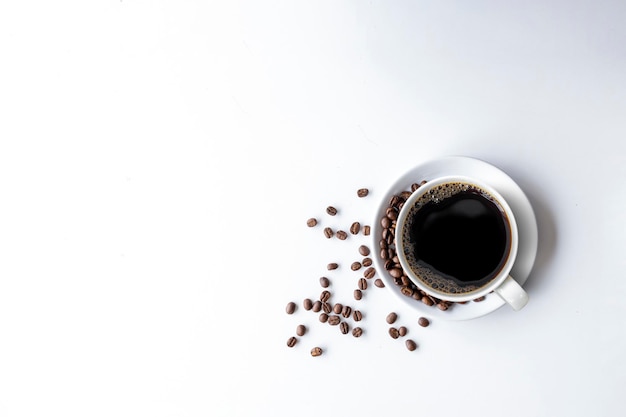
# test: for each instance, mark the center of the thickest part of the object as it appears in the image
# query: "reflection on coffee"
(456, 238)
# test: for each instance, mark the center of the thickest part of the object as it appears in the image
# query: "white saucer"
(513, 194)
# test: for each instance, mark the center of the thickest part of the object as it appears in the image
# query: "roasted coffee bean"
(311, 222)
(389, 264)
(344, 327)
(406, 290)
(405, 281)
(332, 266)
(357, 332)
(383, 244)
(385, 222)
(323, 317)
(414, 186)
(357, 315)
(391, 317)
(307, 304)
(291, 342)
(355, 266)
(358, 294)
(379, 283)
(402, 331)
(317, 306)
(355, 228)
(328, 232)
(291, 307)
(405, 194)
(334, 320)
(398, 281)
(300, 330)
(427, 300)
(442, 306)
(366, 261)
(364, 250)
(479, 299)
(341, 235)
(316, 351)
(369, 272)
(395, 272)
(362, 192)
(337, 308)
(416, 295)
(346, 311)
(395, 200)
(362, 284)
(392, 213)
(326, 308)
(324, 296)
(410, 345)
(324, 282)
(384, 254)
(393, 332)
(331, 210)
(366, 230)
(423, 321)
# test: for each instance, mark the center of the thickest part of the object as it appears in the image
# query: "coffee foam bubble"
(429, 277)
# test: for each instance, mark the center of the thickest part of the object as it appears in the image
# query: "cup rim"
(504, 270)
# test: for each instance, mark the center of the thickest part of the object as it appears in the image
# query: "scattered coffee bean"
(316, 351)
(364, 250)
(427, 300)
(357, 315)
(307, 304)
(358, 294)
(355, 266)
(362, 284)
(385, 222)
(328, 232)
(423, 321)
(300, 330)
(341, 235)
(366, 230)
(362, 192)
(324, 296)
(317, 306)
(384, 254)
(337, 308)
(379, 283)
(402, 331)
(324, 282)
(410, 345)
(334, 320)
(332, 266)
(479, 299)
(393, 332)
(366, 262)
(312, 222)
(346, 311)
(291, 307)
(396, 272)
(291, 342)
(369, 272)
(392, 213)
(442, 306)
(357, 332)
(323, 317)
(391, 317)
(344, 327)
(355, 228)
(331, 210)
(406, 290)
(326, 308)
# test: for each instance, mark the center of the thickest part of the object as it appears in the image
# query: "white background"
(159, 159)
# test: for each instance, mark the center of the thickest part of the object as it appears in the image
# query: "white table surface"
(159, 159)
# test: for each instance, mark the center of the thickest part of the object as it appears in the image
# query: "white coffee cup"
(501, 283)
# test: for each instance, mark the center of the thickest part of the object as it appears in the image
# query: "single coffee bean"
(357, 332)
(312, 222)
(410, 345)
(384, 254)
(366, 261)
(385, 222)
(291, 342)
(317, 306)
(331, 210)
(383, 244)
(323, 317)
(396, 272)
(337, 308)
(364, 250)
(355, 266)
(406, 282)
(369, 272)
(393, 332)
(291, 307)
(307, 304)
(414, 186)
(324, 282)
(344, 327)
(332, 266)
(316, 351)
(326, 308)
(405, 194)
(355, 228)
(427, 300)
(324, 296)
(346, 311)
(402, 331)
(300, 330)
(328, 232)
(479, 299)
(357, 315)
(379, 283)
(406, 290)
(423, 321)
(391, 317)
(366, 230)
(341, 235)
(358, 294)
(362, 284)
(334, 320)
(442, 306)
(362, 192)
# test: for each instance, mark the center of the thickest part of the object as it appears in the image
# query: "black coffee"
(457, 238)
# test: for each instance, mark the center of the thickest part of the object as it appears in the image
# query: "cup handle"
(513, 293)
